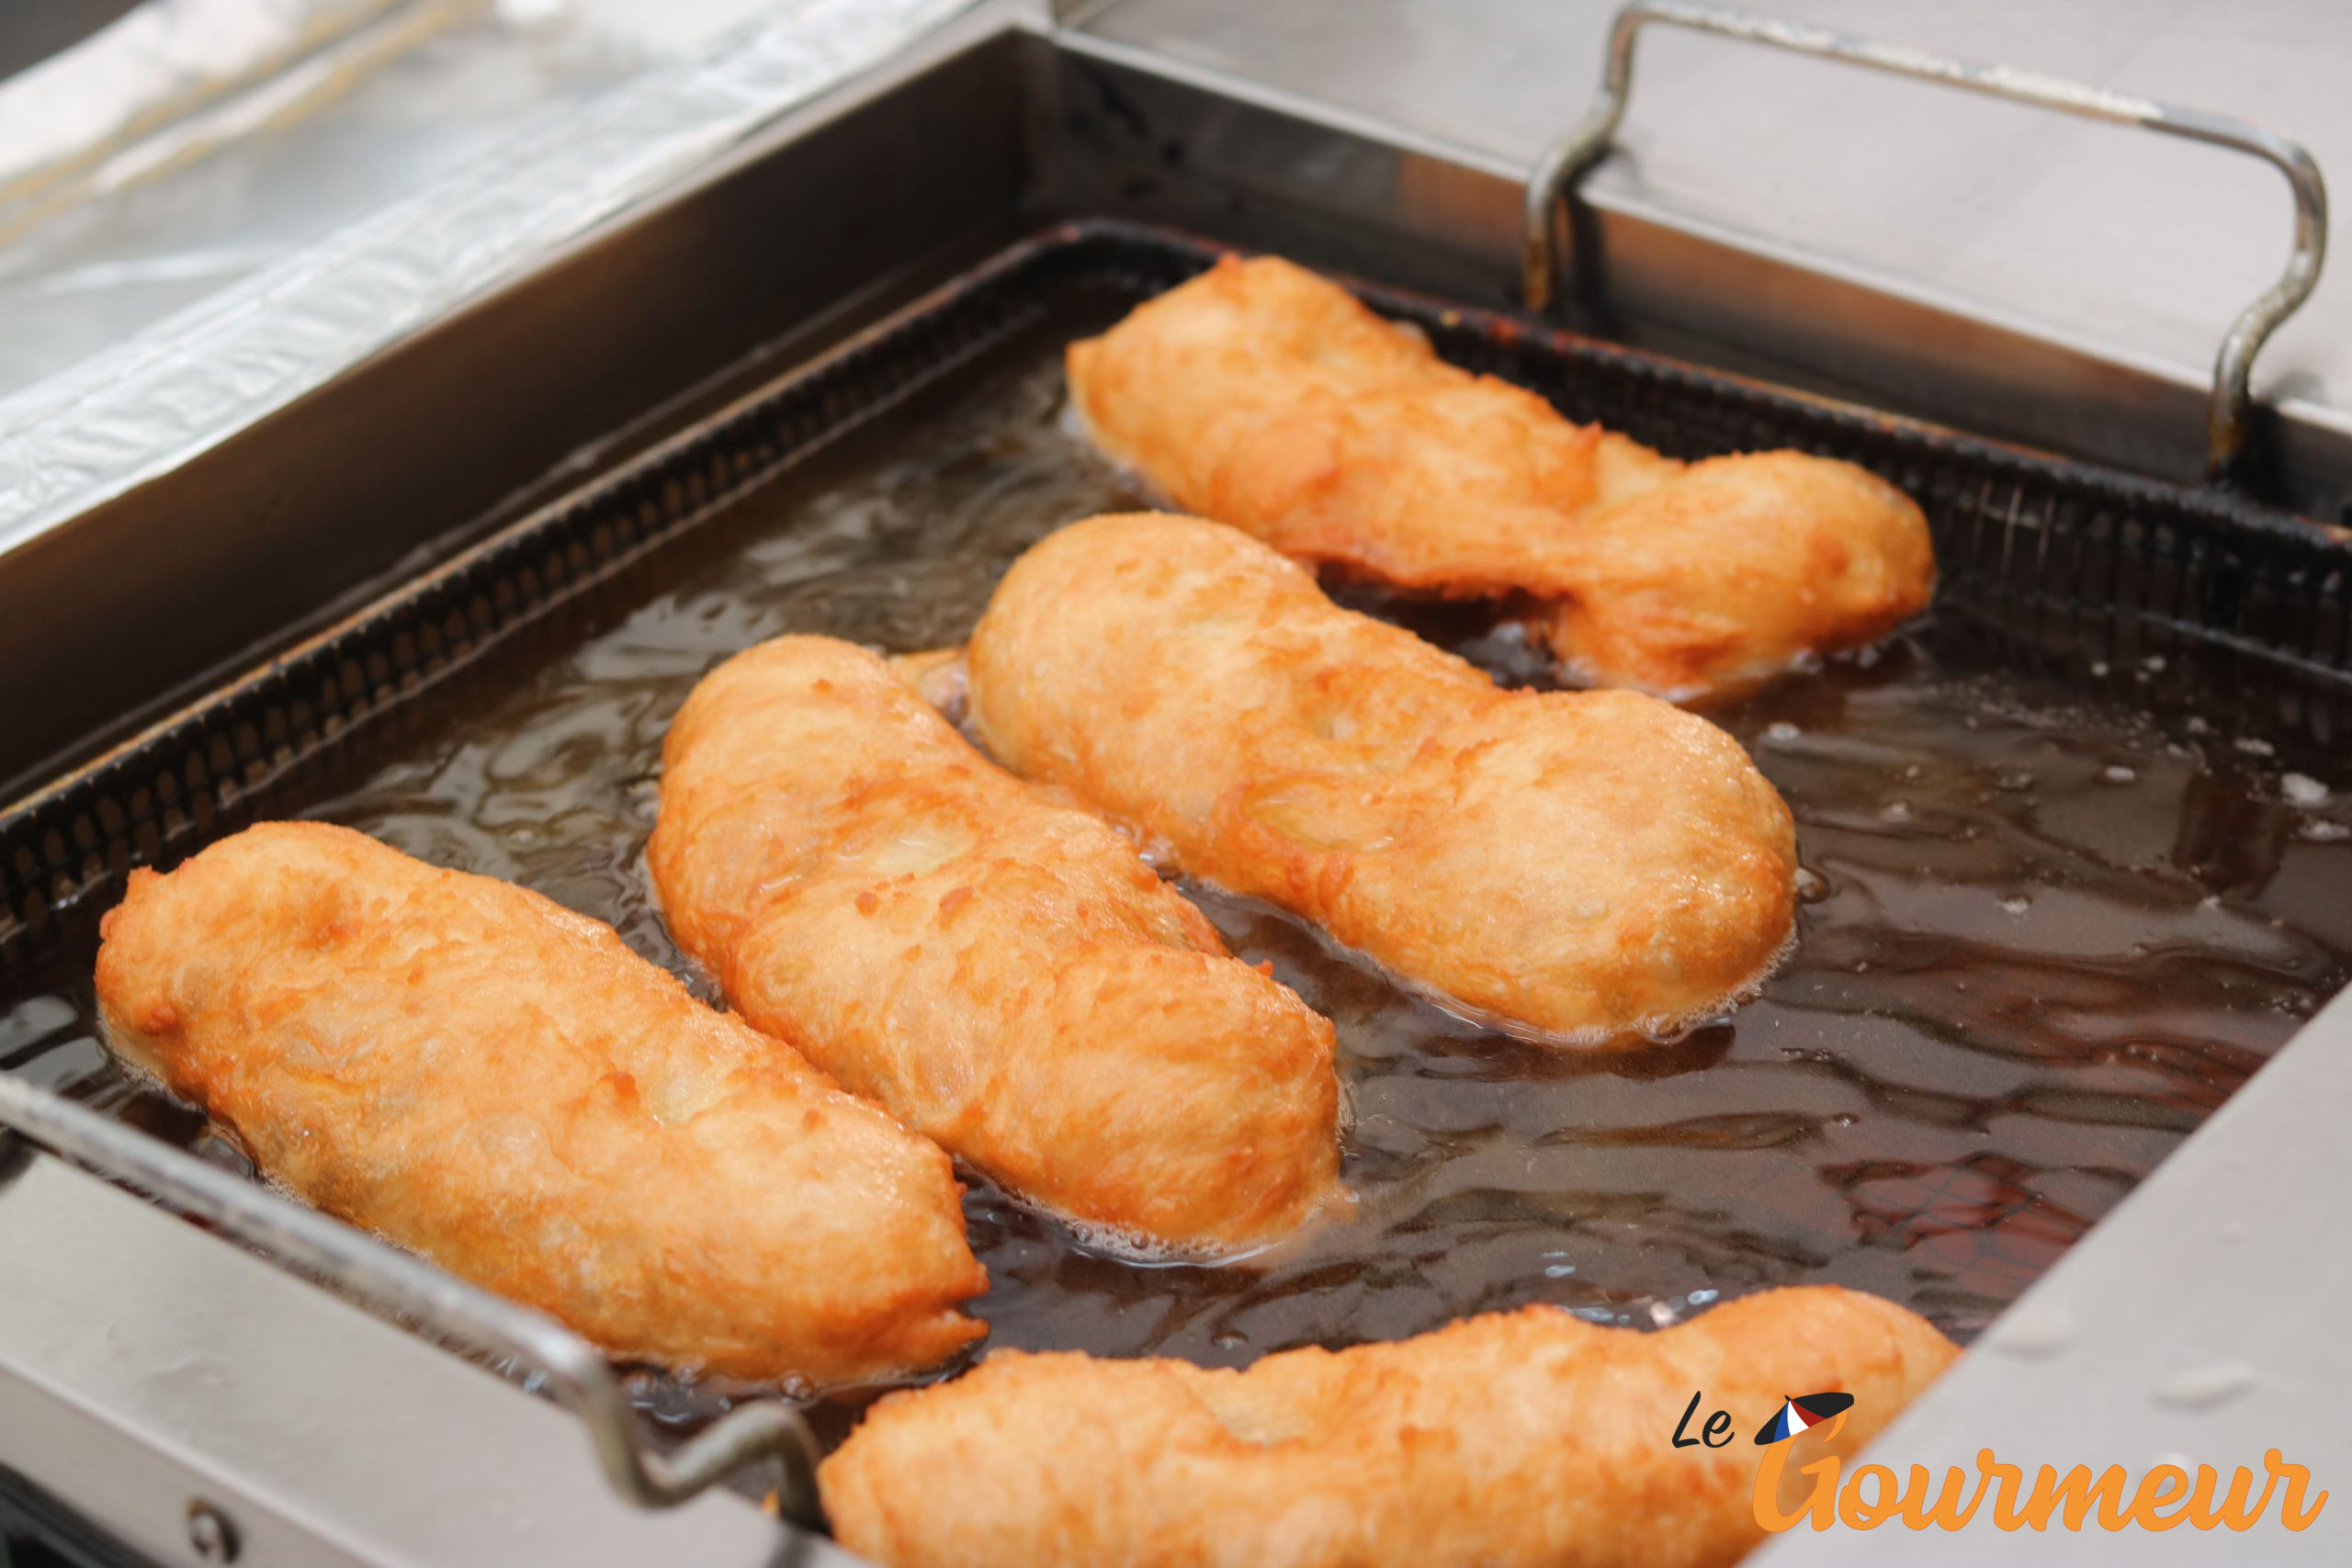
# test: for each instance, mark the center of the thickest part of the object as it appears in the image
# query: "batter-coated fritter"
(1263, 396)
(997, 966)
(1576, 865)
(1522, 1440)
(483, 1076)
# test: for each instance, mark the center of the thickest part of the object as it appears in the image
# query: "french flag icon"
(1796, 1415)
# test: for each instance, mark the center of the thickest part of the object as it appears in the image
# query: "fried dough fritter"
(1265, 396)
(483, 1076)
(996, 966)
(1522, 1440)
(1576, 866)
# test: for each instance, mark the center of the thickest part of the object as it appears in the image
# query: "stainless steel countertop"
(2134, 249)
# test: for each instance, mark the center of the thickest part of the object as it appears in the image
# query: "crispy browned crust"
(998, 967)
(485, 1077)
(1265, 396)
(1527, 1438)
(1576, 865)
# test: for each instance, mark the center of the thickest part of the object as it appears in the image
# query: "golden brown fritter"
(1263, 396)
(1528, 1438)
(997, 966)
(1574, 865)
(481, 1076)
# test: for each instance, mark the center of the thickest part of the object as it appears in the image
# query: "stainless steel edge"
(2228, 407)
(145, 1365)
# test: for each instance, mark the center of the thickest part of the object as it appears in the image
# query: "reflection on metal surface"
(167, 57)
(204, 141)
(2227, 411)
(391, 1282)
(136, 150)
(146, 404)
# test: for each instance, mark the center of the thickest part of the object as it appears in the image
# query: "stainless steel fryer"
(2054, 555)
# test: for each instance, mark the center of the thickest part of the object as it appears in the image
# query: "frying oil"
(2042, 936)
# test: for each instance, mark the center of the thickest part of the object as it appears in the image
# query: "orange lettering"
(2233, 1511)
(1947, 1511)
(2290, 1506)
(1821, 1502)
(1858, 1515)
(1766, 1498)
(2166, 1483)
(2164, 1499)
(2077, 1492)
(1824, 1491)
(2004, 1502)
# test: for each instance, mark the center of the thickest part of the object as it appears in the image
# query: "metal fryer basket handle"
(390, 1282)
(2226, 421)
